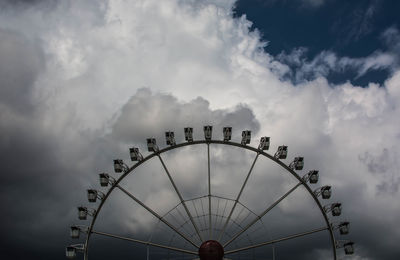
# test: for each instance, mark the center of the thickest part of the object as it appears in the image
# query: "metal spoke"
(216, 216)
(180, 198)
(156, 215)
(204, 215)
(238, 197)
(209, 188)
(223, 213)
(197, 214)
(276, 240)
(263, 213)
(144, 242)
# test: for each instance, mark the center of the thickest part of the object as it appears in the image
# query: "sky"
(82, 81)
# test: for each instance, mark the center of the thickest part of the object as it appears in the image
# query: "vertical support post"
(273, 252)
(209, 189)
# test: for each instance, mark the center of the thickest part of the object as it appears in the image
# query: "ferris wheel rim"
(131, 169)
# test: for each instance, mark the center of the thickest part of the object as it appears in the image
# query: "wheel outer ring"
(329, 226)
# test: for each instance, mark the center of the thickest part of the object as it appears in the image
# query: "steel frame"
(115, 184)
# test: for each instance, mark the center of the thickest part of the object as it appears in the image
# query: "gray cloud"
(385, 165)
(146, 115)
(72, 100)
(22, 61)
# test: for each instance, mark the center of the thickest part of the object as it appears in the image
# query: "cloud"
(391, 37)
(146, 115)
(361, 24)
(88, 80)
(21, 65)
(328, 62)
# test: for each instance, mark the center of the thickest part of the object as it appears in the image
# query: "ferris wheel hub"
(211, 250)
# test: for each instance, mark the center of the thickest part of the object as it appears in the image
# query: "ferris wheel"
(247, 206)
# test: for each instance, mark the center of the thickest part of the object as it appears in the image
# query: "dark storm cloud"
(21, 63)
(45, 176)
(18, 3)
(34, 175)
(33, 192)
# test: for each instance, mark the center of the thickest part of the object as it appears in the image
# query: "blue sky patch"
(353, 29)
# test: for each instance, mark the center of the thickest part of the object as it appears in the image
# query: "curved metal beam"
(166, 149)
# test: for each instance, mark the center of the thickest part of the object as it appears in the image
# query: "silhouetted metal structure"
(207, 248)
